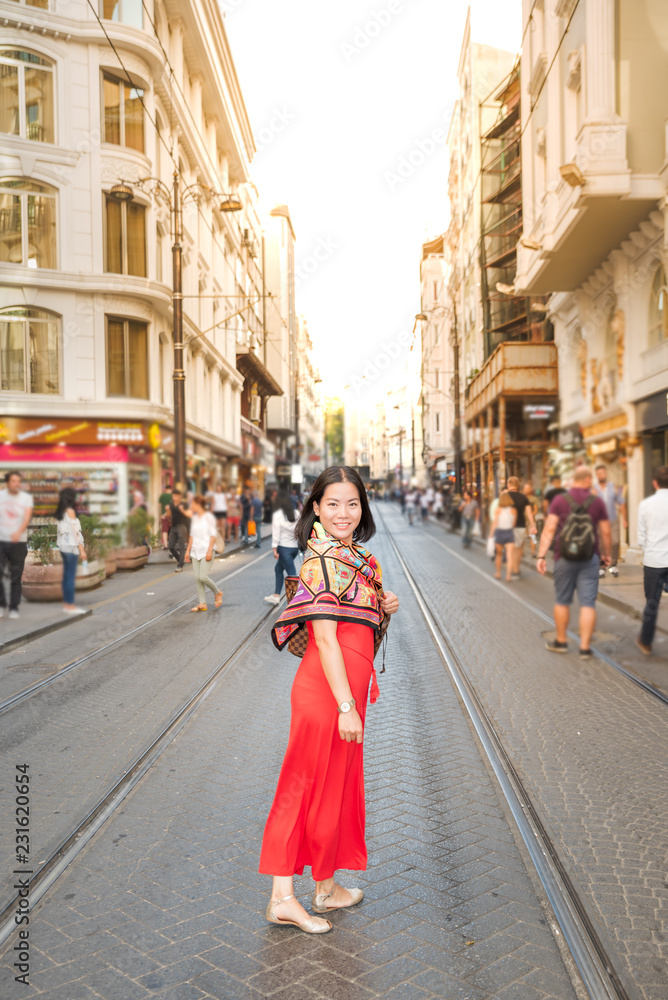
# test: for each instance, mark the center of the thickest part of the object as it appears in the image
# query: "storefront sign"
(62, 453)
(296, 474)
(283, 470)
(30, 431)
(603, 447)
(653, 412)
(539, 411)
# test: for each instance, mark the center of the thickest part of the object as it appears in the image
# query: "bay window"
(126, 237)
(127, 358)
(123, 113)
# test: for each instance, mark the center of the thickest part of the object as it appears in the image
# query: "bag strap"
(575, 506)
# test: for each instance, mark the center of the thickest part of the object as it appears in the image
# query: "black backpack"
(578, 536)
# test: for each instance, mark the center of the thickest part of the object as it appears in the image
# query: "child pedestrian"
(200, 551)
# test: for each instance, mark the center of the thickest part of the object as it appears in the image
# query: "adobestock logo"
(324, 249)
(276, 125)
(365, 33)
(422, 150)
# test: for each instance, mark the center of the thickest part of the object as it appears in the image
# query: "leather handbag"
(298, 640)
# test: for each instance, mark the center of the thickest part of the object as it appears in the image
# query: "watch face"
(345, 706)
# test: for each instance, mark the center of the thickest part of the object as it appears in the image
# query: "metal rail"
(20, 696)
(68, 850)
(620, 668)
(596, 968)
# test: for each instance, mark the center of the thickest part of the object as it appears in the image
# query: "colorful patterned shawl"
(338, 582)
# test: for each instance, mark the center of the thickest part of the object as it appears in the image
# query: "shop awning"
(251, 367)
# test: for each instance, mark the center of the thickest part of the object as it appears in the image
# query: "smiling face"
(340, 511)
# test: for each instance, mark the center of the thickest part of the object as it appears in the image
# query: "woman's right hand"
(350, 726)
(275, 553)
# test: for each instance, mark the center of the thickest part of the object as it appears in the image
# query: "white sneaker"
(179, 569)
(613, 571)
(272, 599)
(601, 572)
(74, 611)
(13, 614)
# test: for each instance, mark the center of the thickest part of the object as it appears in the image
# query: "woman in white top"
(200, 551)
(70, 543)
(502, 532)
(283, 542)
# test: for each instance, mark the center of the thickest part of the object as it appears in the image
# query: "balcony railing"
(513, 370)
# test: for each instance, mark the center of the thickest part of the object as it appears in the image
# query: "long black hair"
(283, 502)
(335, 474)
(67, 498)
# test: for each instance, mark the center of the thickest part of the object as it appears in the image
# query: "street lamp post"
(230, 203)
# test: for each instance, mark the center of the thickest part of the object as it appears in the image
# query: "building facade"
(437, 371)
(595, 168)
(102, 114)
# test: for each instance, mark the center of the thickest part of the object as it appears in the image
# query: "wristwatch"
(345, 706)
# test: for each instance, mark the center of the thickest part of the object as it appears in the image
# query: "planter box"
(132, 557)
(93, 576)
(110, 566)
(42, 583)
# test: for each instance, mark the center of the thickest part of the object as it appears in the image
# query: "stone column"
(600, 61)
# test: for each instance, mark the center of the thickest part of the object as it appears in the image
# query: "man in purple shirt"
(569, 575)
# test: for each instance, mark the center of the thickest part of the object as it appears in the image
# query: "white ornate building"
(595, 169)
(90, 98)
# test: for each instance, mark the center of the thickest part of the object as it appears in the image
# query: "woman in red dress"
(317, 817)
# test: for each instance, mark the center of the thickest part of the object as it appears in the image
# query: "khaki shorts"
(520, 537)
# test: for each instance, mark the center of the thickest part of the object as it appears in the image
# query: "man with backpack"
(578, 522)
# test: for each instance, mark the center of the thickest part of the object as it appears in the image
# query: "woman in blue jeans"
(70, 543)
(283, 541)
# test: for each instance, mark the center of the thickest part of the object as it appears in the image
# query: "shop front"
(652, 426)
(113, 466)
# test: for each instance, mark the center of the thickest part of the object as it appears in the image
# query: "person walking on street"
(527, 489)
(470, 511)
(578, 523)
(318, 814)
(502, 531)
(256, 512)
(283, 542)
(202, 539)
(71, 545)
(15, 514)
(244, 501)
(178, 533)
(653, 538)
(524, 519)
(613, 498)
(554, 489)
(233, 516)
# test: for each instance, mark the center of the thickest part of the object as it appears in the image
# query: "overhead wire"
(154, 123)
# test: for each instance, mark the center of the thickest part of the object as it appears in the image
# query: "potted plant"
(94, 574)
(43, 571)
(138, 535)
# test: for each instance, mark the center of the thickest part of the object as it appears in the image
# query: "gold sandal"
(319, 900)
(314, 925)
(199, 607)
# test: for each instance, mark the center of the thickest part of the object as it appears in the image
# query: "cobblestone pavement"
(82, 732)
(591, 746)
(166, 901)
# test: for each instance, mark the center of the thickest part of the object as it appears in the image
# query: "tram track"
(75, 841)
(590, 954)
(25, 693)
(599, 653)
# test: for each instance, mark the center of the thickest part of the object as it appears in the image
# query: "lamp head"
(121, 192)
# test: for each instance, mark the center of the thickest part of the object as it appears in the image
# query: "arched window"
(658, 309)
(29, 351)
(26, 95)
(27, 223)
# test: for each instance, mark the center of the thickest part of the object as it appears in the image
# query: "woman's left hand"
(389, 602)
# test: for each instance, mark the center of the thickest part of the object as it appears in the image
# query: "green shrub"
(43, 544)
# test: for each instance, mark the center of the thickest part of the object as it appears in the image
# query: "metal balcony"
(513, 370)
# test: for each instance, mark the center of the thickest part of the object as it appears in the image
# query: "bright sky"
(339, 95)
